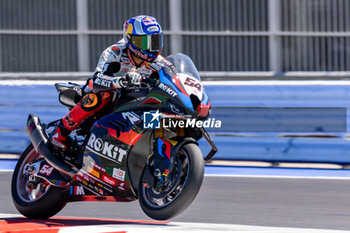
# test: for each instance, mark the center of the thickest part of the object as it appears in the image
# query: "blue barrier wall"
(16, 102)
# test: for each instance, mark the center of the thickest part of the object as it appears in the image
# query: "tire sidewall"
(189, 191)
(46, 206)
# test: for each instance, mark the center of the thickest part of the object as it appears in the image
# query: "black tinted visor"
(156, 42)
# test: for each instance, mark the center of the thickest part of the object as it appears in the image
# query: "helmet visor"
(152, 43)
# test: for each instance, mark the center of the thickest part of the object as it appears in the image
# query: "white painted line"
(6, 170)
(2, 215)
(191, 227)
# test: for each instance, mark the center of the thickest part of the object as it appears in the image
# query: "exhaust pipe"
(40, 142)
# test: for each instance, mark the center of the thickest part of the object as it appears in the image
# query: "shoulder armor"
(111, 54)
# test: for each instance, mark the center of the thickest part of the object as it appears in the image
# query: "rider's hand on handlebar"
(132, 79)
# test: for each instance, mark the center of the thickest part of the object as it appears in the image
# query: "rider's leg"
(88, 106)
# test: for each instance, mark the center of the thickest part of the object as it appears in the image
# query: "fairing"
(105, 163)
(119, 144)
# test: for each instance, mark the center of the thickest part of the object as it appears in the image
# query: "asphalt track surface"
(274, 202)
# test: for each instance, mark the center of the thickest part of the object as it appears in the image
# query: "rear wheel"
(167, 201)
(34, 197)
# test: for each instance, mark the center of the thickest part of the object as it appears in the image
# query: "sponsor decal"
(118, 174)
(105, 148)
(156, 67)
(116, 50)
(148, 20)
(109, 180)
(97, 167)
(166, 172)
(100, 191)
(78, 190)
(68, 117)
(167, 89)
(93, 172)
(86, 178)
(46, 170)
(106, 95)
(168, 63)
(85, 183)
(78, 178)
(153, 29)
(131, 116)
(121, 186)
(90, 100)
(100, 80)
(175, 109)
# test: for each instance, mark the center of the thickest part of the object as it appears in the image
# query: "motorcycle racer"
(120, 65)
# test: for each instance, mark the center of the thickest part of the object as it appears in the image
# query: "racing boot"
(58, 136)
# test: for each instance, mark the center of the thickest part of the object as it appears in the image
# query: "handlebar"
(148, 81)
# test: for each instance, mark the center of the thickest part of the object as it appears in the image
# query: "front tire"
(191, 163)
(40, 202)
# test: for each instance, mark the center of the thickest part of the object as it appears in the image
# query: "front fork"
(164, 152)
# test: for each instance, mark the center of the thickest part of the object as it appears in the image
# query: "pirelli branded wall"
(220, 35)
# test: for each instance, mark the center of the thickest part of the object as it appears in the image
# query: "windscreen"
(184, 64)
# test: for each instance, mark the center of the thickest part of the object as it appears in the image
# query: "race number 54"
(192, 83)
(46, 170)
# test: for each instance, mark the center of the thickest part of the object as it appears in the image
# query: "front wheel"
(34, 197)
(162, 203)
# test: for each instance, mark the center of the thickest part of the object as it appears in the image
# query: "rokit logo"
(167, 89)
(106, 149)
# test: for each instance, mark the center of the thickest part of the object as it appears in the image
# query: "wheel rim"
(156, 198)
(28, 192)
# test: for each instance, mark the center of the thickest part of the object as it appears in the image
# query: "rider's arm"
(108, 65)
(101, 82)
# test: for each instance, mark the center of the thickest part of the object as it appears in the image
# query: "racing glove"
(133, 78)
(129, 79)
(106, 83)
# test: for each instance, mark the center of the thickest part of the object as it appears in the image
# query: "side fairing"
(105, 163)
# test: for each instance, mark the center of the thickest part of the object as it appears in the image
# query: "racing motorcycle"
(124, 153)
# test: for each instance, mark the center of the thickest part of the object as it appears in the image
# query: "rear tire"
(188, 186)
(50, 199)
